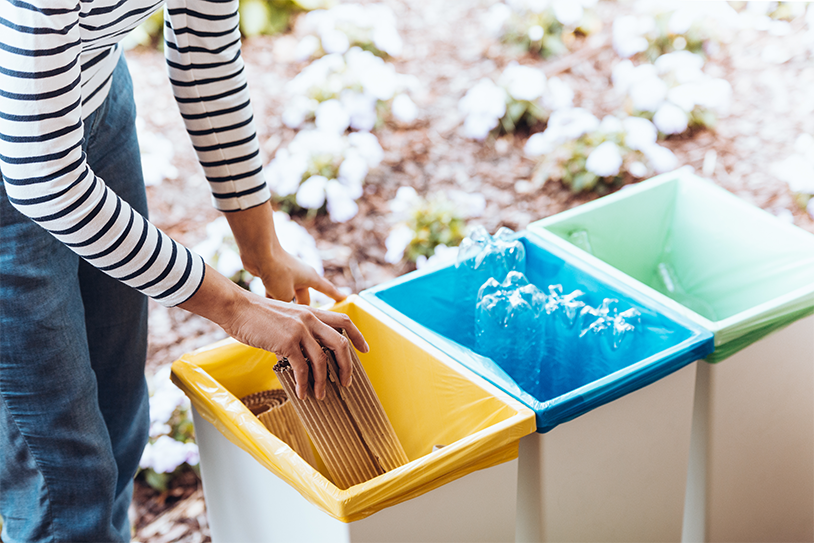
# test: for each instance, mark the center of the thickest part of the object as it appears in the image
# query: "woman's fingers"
(319, 364)
(328, 288)
(303, 296)
(301, 370)
(342, 321)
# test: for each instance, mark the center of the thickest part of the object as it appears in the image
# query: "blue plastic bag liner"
(440, 306)
(693, 246)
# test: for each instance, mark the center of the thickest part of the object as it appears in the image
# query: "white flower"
(311, 194)
(558, 95)
(256, 286)
(368, 147)
(285, 172)
(299, 109)
(406, 198)
(571, 123)
(680, 21)
(637, 169)
(804, 145)
(376, 77)
(684, 96)
(684, 65)
(404, 110)
(523, 82)
(361, 109)
(332, 117)
(639, 133)
(661, 159)
(341, 206)
(477, 126)
(648, 94)
(810, 205)
(166, 397)
(563, 125)
(484, 98)
(610, 125)
(670, 119)
(166, 454)
(629, 32)
(159, 428)
(535, 33)
(441, 256)
(229, 262)
(540, 143)
(396, 243)
(353, 169)
(715, 94)
(605, 160)
(296, 240)
(496, 17)
(307, 48)
(334, 41)
(386, 39)
(567, 12)
(797, 172)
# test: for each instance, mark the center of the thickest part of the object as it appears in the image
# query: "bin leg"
(617, 473)
(760, 482)
(695, 503)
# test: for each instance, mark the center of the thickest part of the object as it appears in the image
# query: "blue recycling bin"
(609, 461)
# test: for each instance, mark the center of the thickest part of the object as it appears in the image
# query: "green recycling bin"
(748, 278)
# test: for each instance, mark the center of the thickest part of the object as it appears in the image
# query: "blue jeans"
(73, 399)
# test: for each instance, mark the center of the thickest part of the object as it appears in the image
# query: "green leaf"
(157, 481)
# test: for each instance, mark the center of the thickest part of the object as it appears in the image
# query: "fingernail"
(367, 347)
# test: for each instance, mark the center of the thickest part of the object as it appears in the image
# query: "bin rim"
(725, 330)
(568, 406)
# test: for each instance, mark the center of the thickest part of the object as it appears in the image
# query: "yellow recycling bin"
(258, 489)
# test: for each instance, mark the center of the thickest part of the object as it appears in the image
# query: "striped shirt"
(56, 62)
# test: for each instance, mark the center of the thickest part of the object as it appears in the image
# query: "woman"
(78, 256)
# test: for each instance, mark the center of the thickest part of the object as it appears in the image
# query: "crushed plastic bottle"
(492, 256)
(608, 336)
(508, 328)
(562, 363)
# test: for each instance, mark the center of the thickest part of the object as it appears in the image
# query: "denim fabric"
(73, 399)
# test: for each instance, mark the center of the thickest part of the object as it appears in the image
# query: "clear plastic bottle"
(508, 328)
(562, 364)
(492, 256)
(608, 338)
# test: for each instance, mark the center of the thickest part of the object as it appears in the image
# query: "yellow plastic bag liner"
(430, 399)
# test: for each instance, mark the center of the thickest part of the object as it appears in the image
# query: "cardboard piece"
(349, 427)
(278, 416)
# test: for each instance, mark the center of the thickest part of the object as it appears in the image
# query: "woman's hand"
(291, 331)
(285, 276)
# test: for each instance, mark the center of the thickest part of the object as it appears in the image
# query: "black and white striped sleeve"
(202, 47)
(45, 171)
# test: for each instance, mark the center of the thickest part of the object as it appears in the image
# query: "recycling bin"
(461, 435)
(609, 459)
(749, 278)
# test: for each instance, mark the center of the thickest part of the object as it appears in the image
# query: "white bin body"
(617, 473)
(753, 476)
(245, 502)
